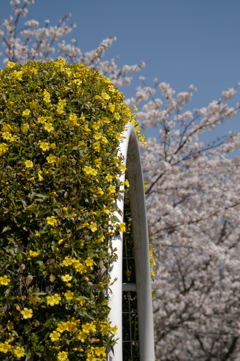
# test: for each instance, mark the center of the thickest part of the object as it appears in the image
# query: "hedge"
(61, 127)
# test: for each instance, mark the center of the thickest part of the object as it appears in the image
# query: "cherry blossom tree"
(192, 195)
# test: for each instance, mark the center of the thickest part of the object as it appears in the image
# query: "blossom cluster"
(60, 134)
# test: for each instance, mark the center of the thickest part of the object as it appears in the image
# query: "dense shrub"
(59, 167)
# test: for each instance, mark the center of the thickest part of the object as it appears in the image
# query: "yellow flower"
(93, 227)
(46, 96)
(123, 168)
(4, 280)
(10, 65)
(17, 75)
(106, 120)
(122, 227)
(79, 267)
(5, 347)
(69, 295)
(105, 96)
(28, 164)
(88, 327)
(44, 146)
(51, 220)
(72, 120)
(40, 178)
(111, 107)
(54, 336)
(43, 120)
(117, 116)
(111, 189)
(62, 356)
(7, 135)
(19, 352)
(51, 158)
(53, 300)
(6, 127)
(89, 262)
(90, 171)
(109, 178)
(24, 128)
(33, 254)
(27, 313)
(66, 278)
(26, 113)
(100, 351)
(67, 261)
(100, 191)
(48, 127)
(96, 126)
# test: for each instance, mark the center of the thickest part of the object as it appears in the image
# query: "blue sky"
(183, 41)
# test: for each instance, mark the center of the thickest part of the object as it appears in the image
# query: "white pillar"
(130, 151)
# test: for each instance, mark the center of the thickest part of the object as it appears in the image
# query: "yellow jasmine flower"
(122, 167)
(96, 147)
(27, 313)
(67, 261)
(122, 227)
(25, 127)
(101, 239)
(10, 65)
(33, 254)
(19, 352)
(40, 178)
(6, 135)
(48, 127)
(112, 189)
(44, 146)
(4, 280)
(100, 351)
(88, 327)
(28, 164)
(46, 96)
(6, 127)
(53, 300)
(43, 120)
(100, 191)
(79, 267)
(93, 227)
(17, 75)
(69, 295)
(105, 96)
(62, 356)
(90, 171)
(5, 347)
(89, 262)
(111, 107)
(96, 125)
(82, 336)
(66, 278)
(51, 220)
(26, 113)
(54, 336)
(72, 120)
(109, 178)
(106, 120)
(51, 158)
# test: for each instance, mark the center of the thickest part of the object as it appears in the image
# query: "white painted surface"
(130, 151)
